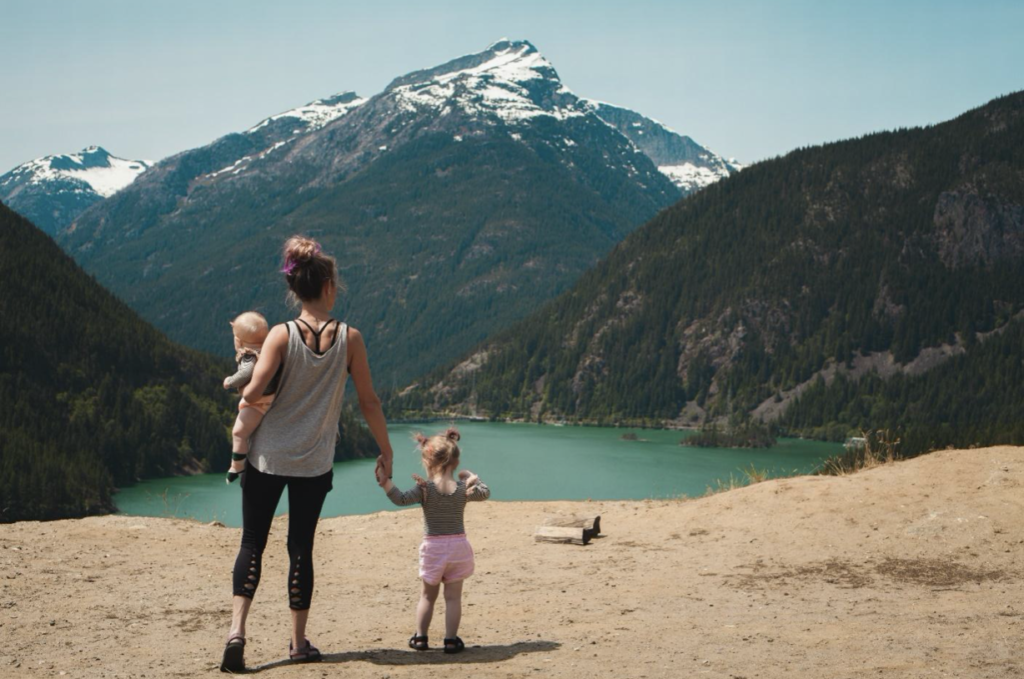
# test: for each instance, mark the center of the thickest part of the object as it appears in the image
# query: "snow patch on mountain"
(319, 113)
(244, 162)
(686, 163)
(92, 169)
(690, 177)
(286, 127)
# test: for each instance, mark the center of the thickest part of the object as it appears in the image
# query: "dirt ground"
(907, 570)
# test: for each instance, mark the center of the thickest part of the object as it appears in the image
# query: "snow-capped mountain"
(514, 82)
(510, 83)
(439, 193)
(53, 190)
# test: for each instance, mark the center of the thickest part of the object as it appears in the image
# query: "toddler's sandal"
(308, 653)
(417, 643)
(453, 645)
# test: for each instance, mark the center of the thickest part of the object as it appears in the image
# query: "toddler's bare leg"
(245, 424)
(452, 608)
(425, 608)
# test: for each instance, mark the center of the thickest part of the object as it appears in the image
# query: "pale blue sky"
(748, 79)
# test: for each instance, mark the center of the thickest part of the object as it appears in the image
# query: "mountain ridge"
(476, 169)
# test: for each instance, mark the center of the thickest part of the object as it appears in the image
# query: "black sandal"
(307, 653)
(418, 643)
(453, 645)
(234, 656)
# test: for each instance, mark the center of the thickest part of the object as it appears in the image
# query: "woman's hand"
(382, 478)
(385, 464)
(226, 385)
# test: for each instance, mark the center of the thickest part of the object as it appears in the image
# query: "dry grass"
(748, 477)
(880, 447)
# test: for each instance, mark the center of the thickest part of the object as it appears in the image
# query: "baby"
(250, 330)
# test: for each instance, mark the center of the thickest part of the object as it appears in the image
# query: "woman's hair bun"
(307, 268)
(452, 433)
(299, 250)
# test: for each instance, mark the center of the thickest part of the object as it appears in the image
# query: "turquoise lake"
(518, 462)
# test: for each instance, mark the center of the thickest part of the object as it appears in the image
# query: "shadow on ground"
(392, 656)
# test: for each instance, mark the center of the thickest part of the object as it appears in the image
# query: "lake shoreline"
(521, 461)
(429, 419)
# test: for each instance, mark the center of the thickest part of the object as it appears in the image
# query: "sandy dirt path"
(908, 570)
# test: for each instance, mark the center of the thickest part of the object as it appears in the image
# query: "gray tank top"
(300, 430)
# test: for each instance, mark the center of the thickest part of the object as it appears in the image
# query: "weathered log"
(590, 524)
(562, 534)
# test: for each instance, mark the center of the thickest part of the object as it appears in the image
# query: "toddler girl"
(250, 330)
(445, 555)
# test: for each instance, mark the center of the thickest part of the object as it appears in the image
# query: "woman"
(294, 446)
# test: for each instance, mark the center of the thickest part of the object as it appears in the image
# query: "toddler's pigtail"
(441, 451)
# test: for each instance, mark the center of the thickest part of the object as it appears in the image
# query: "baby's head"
(250, 329)
(440, 451)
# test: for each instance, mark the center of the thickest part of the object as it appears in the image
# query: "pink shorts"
(445, 558)
(262, 404)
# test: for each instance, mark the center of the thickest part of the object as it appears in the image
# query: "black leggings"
(260, 495)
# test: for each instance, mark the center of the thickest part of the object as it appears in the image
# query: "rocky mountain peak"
(508, 60)
(510, 80)
(87, 158)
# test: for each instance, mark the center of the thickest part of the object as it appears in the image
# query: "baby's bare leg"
(245, 424)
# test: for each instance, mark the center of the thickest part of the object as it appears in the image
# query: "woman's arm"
(271, 356)
(369, 402)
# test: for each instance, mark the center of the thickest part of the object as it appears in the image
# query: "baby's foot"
(237, 467)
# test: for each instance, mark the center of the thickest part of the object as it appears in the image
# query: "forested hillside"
(975, 398)
(94, 397)
(884, 255)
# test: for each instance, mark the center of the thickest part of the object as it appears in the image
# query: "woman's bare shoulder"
(278, 335)
(353, 335)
